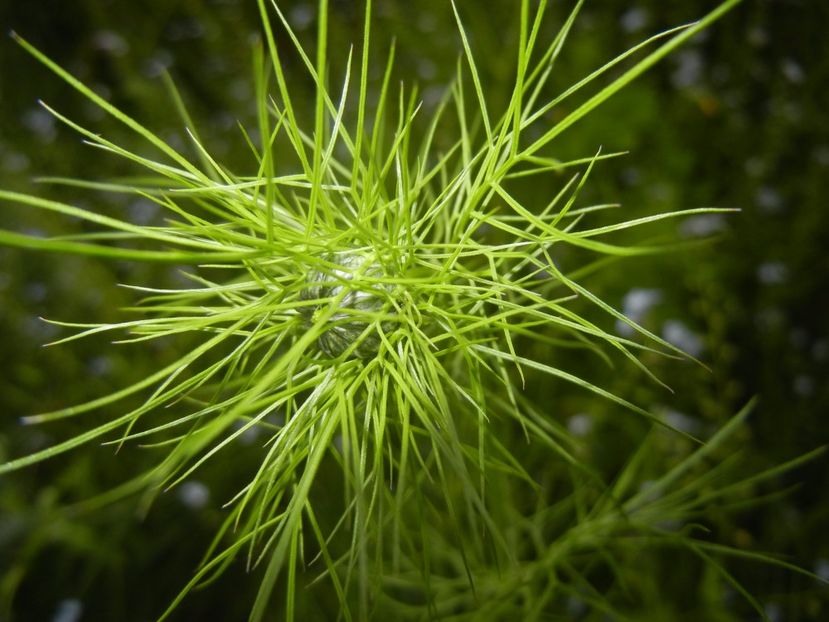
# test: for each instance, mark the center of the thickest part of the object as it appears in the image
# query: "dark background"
(737, 118)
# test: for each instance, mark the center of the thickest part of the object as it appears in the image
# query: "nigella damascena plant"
(351, 296)
(416, 348)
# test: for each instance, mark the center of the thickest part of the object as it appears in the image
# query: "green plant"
(378, 303)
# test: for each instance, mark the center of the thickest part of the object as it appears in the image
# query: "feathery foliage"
(370, 300)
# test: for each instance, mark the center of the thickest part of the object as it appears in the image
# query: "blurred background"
(736, 118)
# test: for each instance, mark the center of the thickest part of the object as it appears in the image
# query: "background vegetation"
(736, 119)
